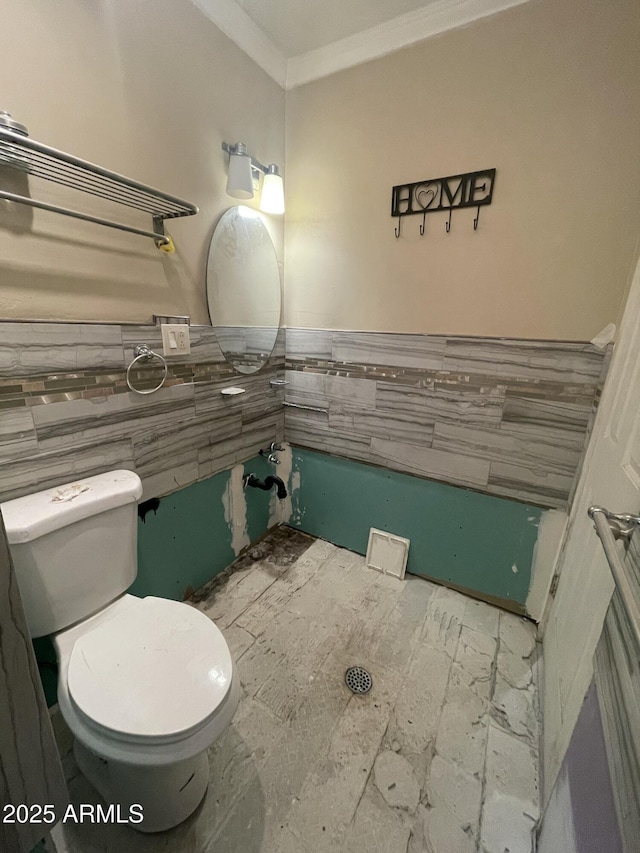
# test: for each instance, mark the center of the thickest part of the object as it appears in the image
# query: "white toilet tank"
(74, 547)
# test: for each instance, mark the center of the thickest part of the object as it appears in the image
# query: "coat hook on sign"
(476, 219)
(447, 225)
(396, 230)
(424, 217)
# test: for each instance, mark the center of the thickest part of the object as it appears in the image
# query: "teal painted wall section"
(459, 536)
(187, 541)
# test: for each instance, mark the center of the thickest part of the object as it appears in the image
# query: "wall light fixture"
(244, 178)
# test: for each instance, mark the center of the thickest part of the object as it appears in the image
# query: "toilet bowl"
(146, 685)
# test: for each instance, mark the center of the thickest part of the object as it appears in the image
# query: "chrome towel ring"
(144, 353)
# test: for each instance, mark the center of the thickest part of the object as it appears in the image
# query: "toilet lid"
(156, 669)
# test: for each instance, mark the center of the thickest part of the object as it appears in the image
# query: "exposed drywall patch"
(297, 511)
(551, 530)
(465, 539)
(188, 541)
(235, 509)
(280, 510)
(297, 507)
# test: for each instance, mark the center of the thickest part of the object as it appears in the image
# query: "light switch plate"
(175, 339)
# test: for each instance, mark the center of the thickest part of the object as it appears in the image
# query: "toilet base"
(168, 794)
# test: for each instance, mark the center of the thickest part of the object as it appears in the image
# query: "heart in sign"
(426, 194)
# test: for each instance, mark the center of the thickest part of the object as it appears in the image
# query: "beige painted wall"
(549, 94)
(148, 89)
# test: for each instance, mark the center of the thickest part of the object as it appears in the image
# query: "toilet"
(146, 685)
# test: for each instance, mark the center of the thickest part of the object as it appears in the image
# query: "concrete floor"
(440, 757)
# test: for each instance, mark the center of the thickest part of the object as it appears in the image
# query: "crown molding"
(238, 26)
(437, 17)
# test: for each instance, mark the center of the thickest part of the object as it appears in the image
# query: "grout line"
(494, 672)
(539, 686)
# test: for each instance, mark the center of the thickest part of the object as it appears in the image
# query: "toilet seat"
(156, 671)
(110, 651)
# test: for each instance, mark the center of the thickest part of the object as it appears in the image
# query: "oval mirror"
(243, 288)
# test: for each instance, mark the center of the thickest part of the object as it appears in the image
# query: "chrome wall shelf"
(19, 152)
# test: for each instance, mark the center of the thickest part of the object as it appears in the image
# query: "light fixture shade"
(272, 198)
(240, 181)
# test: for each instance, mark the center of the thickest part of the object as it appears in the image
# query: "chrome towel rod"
(609, 527)
(306, 408)
(65, 211)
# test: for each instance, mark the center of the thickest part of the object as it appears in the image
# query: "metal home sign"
(473, 189)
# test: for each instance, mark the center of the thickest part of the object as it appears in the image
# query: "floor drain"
(358, 680)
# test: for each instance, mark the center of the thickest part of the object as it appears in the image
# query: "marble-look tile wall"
(66, 411)
(500, 416)
(506, 417)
